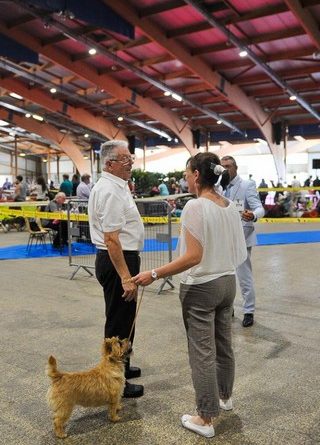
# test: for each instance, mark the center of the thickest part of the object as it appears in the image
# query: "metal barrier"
(158, 243)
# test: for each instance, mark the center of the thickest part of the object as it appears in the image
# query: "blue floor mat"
(269, 239)
(150, 245)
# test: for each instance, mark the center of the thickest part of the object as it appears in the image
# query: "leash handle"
(137, 311)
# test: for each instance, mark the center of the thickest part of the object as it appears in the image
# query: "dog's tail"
(51, 369)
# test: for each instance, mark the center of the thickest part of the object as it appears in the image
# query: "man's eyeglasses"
(124, 160)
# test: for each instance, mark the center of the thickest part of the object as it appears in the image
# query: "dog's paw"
(61, 434)
(115, 418)
(119, 407)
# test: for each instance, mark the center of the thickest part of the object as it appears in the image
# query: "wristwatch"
(154, 275)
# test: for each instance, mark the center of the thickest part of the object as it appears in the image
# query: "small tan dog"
(102, 385)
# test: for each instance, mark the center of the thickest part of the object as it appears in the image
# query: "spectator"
(20, 192)
(263, 195)
(154, 190)
(66, 185)
(308, 182)
(40, 189)
(163, 189)
(84, 187)
(60, 227)
(183, 183)
(6, 185)
(75, 182)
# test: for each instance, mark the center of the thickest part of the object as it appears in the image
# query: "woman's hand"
(143, 278)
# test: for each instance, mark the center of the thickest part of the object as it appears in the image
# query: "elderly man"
(84, 188)
(246, 198)
(117, 231)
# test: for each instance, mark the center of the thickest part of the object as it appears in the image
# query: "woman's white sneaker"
(205, 430)
(226, 405)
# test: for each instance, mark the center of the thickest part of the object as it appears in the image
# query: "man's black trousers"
(119, 313)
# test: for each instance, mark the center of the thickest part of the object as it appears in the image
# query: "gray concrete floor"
(276, 394)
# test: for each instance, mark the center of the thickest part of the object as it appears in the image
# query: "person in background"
(251, 179)
(117, 232)
(40, 189)
(6, 185)
(212, 245)
(154, 190)
(245, 195)
(84, 187)
(66, 185)
(183, 183)
(163, 189)
(263, 195)
(51, 186)
(20, 192)
(60, 226)
(308, 182)
(75, 182)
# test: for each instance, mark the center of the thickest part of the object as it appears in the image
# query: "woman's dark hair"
(205, 164)
(42, 182)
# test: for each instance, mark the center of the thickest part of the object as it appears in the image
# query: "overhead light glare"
(177, 97)
(92, 51)
(37, 117)
(293, 97)
(120, 118)
(16, 96)
(86, 135)
(27, 115)
(53, 90)
(243, 53)
(167, 93)
(219, 122)
(3, 123)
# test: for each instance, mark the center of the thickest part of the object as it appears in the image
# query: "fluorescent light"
(177, 97)
(92, 51)
(120, 118)
(27, 115)
(219, 122)
(53, 90)
(37, 117)
(243, 53)
(16, 96)
(22, 155)
(167, 93)
(293, 97)
(86, 135)
(3, 123)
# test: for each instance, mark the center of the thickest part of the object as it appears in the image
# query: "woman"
(212, 246)
(40, 189)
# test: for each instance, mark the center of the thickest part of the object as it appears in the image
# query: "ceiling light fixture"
(16, 96)
(53, 90)
(86, 135)
(120, 118)
(243, 53)
(293, 97)
(37, 117)
(22, 155)
(219, 122)
(177, 97)
(92, 51)
(27, 115)
(44, 160)
(85, 157)
(167, 93)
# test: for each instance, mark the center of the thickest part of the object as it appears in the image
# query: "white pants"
(244, 274)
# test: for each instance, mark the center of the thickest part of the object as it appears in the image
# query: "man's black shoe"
(132, 391)
(247, 320)
(133, 372)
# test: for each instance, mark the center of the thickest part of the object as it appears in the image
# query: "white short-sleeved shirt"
(110, 208)
(219, 231)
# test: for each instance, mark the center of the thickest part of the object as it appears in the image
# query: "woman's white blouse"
(220, 233)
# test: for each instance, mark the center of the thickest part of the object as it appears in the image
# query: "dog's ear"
(107, 345)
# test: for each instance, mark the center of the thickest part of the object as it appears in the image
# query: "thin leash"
(137, 311)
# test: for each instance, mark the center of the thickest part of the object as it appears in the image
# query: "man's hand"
(130, 291)
(247, 215)
(143, 278)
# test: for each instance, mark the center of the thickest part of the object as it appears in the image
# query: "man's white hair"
(108, 148)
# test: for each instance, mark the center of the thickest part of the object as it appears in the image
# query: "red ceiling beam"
(306, 20)
(108, 83)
